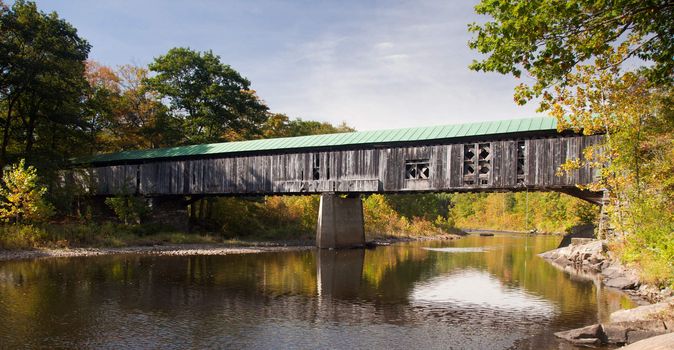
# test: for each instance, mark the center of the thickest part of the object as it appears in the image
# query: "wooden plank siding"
(352, 170)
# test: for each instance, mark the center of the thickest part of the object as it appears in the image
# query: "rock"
(624, 282)
(590, 335)
(562, 261)
(613, 271)
(669, 324)
(620, 333)
(616, 333)
(661, 342)
(635, 336)
(586, 341)
(642, 313)
(588, 256)
(581, 241)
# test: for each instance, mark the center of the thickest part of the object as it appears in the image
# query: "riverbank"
(167, 250)
(591, 258)
(70, 235)
(224, 247)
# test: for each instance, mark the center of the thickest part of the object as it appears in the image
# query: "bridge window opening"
(521, 151)
(484, 163)
(417, 169)
(469, 164)
(316, 170)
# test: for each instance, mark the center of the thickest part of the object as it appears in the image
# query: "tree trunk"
(5, 135)
(209, 207)
(193, 212)
(30, 127)
(30, 130)
(202, 211)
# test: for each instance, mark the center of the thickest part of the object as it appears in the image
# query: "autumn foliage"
(22, 196)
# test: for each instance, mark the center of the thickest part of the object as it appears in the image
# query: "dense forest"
(56, 104)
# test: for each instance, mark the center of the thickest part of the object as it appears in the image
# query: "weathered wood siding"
(361, 170)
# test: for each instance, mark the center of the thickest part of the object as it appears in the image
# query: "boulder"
(613, 271)
(590, 335)
(635, 336)
(660, 342)
(629, 332)
(643, 313)
(616, 333)
(624, 282)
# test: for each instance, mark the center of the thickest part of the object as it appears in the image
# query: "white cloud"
(371, 64)
(396, 67)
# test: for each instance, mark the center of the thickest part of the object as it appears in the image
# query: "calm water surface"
(473, 293)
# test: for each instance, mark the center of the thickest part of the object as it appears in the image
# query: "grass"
(655, 269)
(16, 237)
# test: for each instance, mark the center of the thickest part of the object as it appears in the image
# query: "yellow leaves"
(523, 93)
(21, 196)
(569, 166)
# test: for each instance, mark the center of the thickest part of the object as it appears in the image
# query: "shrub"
(22, 197)
(21, 236)
(128, 208)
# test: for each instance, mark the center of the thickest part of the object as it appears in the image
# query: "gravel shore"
(196, 249)
(175, 250)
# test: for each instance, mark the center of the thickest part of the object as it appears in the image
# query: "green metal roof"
(427, 133)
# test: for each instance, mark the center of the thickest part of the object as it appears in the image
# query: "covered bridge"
(508, 155)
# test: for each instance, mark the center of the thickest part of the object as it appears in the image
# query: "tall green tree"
(548, 38)
(42, 82)
(213, 101)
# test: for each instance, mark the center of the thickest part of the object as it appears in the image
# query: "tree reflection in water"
(491, 292)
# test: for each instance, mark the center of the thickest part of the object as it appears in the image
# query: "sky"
(372, 64)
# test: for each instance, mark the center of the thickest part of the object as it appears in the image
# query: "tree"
(128, 208)
(601, 67)
(213, 101)
(548, 38)
(146, 121)
(634, 160)
(41, 82)
(124, 113)
(21, 195)
(279, 125)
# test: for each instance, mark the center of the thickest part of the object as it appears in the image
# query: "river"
(472, 293)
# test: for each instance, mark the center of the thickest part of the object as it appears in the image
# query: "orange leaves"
(100, 76)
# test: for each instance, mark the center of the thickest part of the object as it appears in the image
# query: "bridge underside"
(340, 221)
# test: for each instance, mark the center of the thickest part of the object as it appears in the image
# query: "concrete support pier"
(340, 222)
